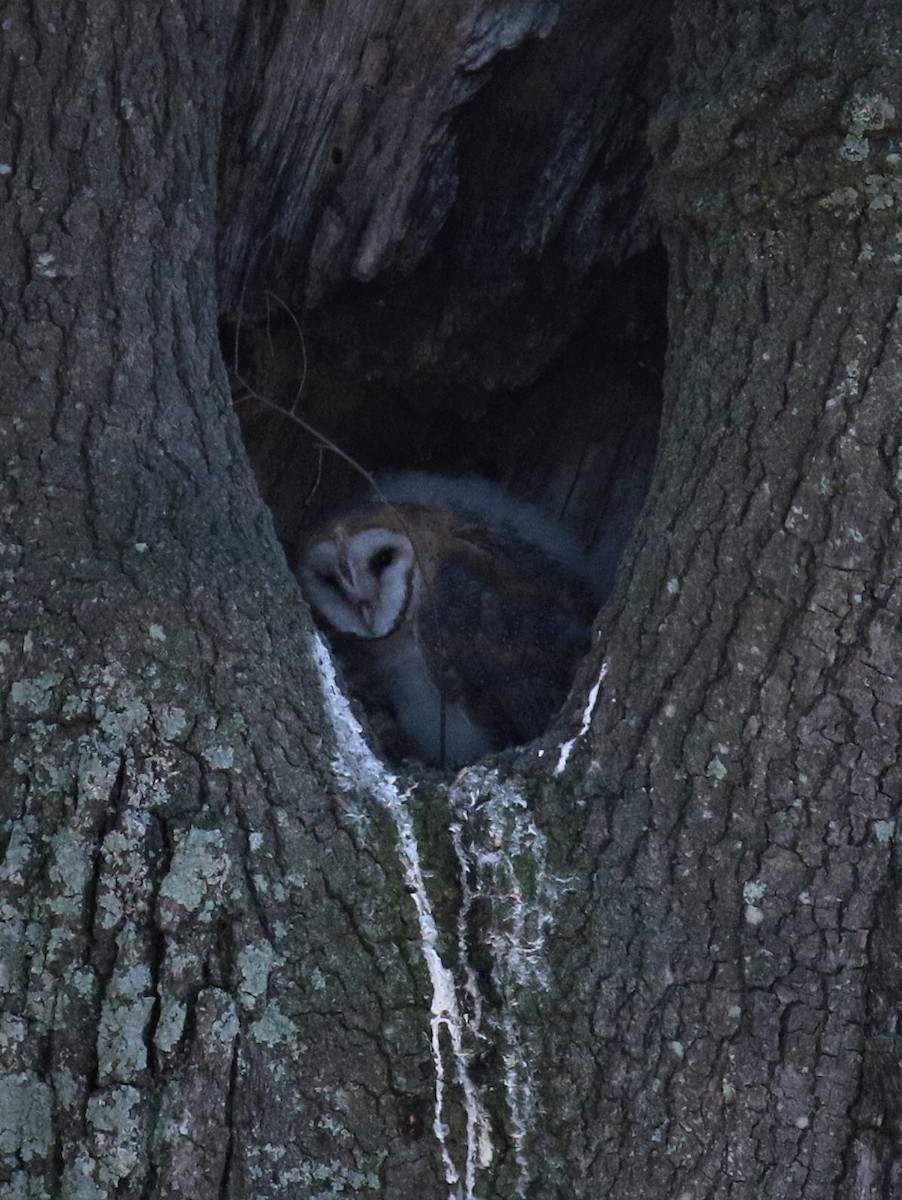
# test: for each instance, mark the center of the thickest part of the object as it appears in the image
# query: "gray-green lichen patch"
(273, 1028)
(223, 1024)
(880, 191)
(753, 892)
(225, 733)
(317, 980)
(124, 1019)
(171, 721)
(13, 1034)
(115, 1121)
(107, 696)
(124, 878)
(199, 879)
(884, 831)
(869, 113)
(96, 774)
(716, 769)
(18, 852)
(254, 965)
(22, 1185)
(33, 696)
(78, 1181)
(855, 148)
(26, 1128)
(221, 758)
(170, 1025)
(314, 1180)
(69, 870)
(869, 121)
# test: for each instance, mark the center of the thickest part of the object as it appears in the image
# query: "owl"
(457, 614)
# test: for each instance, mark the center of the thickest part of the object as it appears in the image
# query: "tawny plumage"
(456, 612)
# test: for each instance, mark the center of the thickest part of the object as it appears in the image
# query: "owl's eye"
(382, 559)
(328, 581)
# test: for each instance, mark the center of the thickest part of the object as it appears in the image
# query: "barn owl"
(457, 613)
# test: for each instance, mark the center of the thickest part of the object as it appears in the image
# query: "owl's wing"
(503, 629)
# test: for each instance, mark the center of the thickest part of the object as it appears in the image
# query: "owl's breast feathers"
(502, 625)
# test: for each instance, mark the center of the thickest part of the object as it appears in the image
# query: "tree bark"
(654, 956)
(201, 954)
(729, 1023)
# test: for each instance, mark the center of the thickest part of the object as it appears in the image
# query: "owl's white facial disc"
(361, 583)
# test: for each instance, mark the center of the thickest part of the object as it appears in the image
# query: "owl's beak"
(365, 612)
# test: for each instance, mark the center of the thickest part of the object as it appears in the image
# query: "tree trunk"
(654, 957)
(732, 982)
(203, 958)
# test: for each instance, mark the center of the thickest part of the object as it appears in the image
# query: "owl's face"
(360, 582)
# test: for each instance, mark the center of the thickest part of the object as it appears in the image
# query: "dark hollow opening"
(514, 330)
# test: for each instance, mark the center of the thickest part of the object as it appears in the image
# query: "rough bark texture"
(238, 959)
(733, 970)
(198, 961)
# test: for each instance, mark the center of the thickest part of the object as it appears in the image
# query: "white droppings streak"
(497, 833)
(567, 747)
(357, 769)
